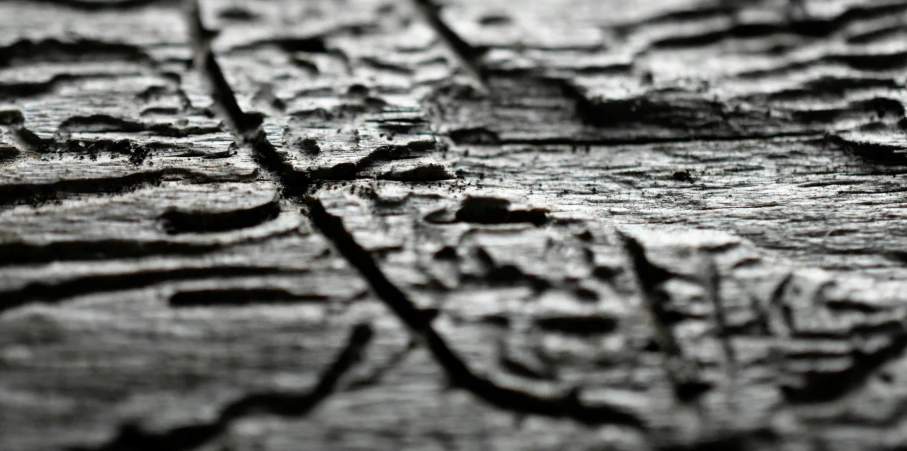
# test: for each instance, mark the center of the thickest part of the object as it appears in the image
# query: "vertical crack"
(683, 374)
(246, 129)
(466, 56)
(220, 91)
(780, 317)
(719, 317)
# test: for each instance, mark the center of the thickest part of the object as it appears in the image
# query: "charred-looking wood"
(661, 225)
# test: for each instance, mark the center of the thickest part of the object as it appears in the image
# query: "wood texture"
(362, 224)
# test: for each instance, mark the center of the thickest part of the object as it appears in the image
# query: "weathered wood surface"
(365, 224)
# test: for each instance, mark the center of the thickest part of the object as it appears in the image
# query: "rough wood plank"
(463, 225)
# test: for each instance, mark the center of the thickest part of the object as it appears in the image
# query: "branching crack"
(295, 184)
(459, 374)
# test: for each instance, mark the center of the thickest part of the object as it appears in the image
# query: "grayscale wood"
(469, 224)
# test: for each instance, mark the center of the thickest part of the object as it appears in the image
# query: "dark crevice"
(467, 56)
(350, 170)
(496, 274)
(799, 22)
(11, 117)
(475, 136)
(176, 221)
(507, 274)
(870, 62)
(28, 140)
(313, 44)
(684, 116)
(221, 92)
(866, 12)
(24, 254)
(100, 123)
(684, 15)
(456, 370)
(23, 89)
(681, 116)
(827, 386)
(246, 128)
(779, 315)
(287, 404)
(109, 249)
(802, 26)
(237, 13)
(8, 154)
(431, 172)
(684, 374)
(489, 210)
(54, 292)
(38, 194)
(757, 439)
(739, 30)
(720, 317)
(102, 5)
(870, 152)
(239, 296)
(78, 50)
(867, 37)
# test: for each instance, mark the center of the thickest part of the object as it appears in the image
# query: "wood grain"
(361, 224)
